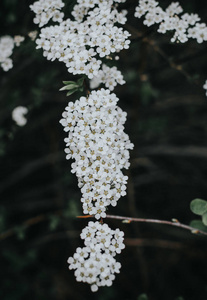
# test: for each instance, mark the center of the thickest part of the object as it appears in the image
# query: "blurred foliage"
(199, 207)
(40, 198)
(143, 297)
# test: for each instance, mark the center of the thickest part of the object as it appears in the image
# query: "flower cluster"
(184, 26)
(7, 44)
(95, 124)
(108, 76)
(18, 115)
(46, 10)
(6, 50)
(98, 144)
(95, 263)
(91, 36)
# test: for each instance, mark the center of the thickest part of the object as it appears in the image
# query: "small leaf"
(69, 87)
(68, 82)
(204, 218)
(80, 81)
(71, 92)
(198, 206)
(143, 297)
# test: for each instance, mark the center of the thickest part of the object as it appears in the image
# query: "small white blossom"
(18, 39)
(33, 35)
(18, 115)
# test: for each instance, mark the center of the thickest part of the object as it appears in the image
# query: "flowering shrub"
(96, 141)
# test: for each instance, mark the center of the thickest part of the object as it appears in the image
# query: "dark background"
(39, 197)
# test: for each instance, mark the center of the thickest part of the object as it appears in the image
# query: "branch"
(175, 223)
(44, 217)
(28, 223)
(176, 66)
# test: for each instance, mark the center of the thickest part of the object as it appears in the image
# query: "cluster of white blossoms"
(184, 26)
(81, 43)
(96, 138)
(97, 142)
(18, 115)
(46, 10)
(7, 44)
(6, 50)
(95, 263)
(108, 76)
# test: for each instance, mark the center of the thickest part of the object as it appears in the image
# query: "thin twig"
(32, 221)
(177, 66)
(44, 217)
(175, 223)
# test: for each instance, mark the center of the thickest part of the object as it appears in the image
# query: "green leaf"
(80, 81)
(71, 92)
(204, 218)
(198, 206)
(143, 297)
(68, 82)
(198, 224)
(69, 87)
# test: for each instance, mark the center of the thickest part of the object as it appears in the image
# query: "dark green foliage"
(143, 297)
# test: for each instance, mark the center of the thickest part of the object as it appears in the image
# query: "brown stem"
(27, 223)
(175, 223)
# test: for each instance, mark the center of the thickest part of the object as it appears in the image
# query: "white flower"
(18, 115)
(46, 10)
(7, 64)
(205, 87)
(32, 35)
(18, 39)
(95, 263)
(6, 50)
(108, 76)
(97, 142)
(79, 44)
(184, 26)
